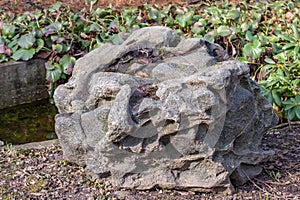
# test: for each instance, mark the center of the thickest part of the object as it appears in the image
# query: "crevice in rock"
(216, 51)
(208, 111)
(201, 133)
(148, 141)
(143, 91)
(164, 140)
(104, 174)
(101, 101)
(140, 55)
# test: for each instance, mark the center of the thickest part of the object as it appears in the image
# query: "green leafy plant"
(275, 176)
(266, 36)
(292, 47)
(253, 50)
(91, 3)
(9, 150)
(292, 107)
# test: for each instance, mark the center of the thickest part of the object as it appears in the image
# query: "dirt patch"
(21, 6)
(38, 171)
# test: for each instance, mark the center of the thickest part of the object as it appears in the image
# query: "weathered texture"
(160, 111)
(22, 82)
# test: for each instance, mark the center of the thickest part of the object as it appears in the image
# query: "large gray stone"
(160, 111)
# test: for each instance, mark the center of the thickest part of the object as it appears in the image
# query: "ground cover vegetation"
(263, 34)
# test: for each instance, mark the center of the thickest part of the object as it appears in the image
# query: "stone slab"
(22, 82)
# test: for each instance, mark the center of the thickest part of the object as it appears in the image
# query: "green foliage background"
(265, 35)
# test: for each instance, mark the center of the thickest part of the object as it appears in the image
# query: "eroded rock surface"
(161, 111)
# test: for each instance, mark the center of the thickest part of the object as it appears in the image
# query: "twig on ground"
(286, 124)
(194, 2)
(34, 5)
(258, 187)
(270, 182)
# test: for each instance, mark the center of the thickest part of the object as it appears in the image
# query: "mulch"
(38, 171)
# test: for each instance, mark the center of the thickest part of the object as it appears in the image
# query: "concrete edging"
(35, 145)
(22, 82)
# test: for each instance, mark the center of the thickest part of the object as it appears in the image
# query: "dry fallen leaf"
(142, 74)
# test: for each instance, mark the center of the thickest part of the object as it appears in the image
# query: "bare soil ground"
(19, 6)
(38, 171)
(27, 172)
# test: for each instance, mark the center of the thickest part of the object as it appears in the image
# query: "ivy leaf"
(224, 31)
(297, 98)
(253, 50)
(3, 58)
(281, 56)
(286, 37)
(23, 54)
(291, 114)
(53, 72)
(26, 41)
(295, 31)
(55, 7)
(209, 38)
(185, 19)
(276, 97)
(288, 104)
(170, 21)
(266, 93)
(57, 47)
(270, 61)
(296, 51)
(57, 39)
(154, 14)
(40, 45)
(8, 30)
(297, 111)
(233, 14)
(289, 45)
(245, 26)
(13, 43)
(52, 28)
(67, 63)
(95, 27)
(198, 28)
(249, 36)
